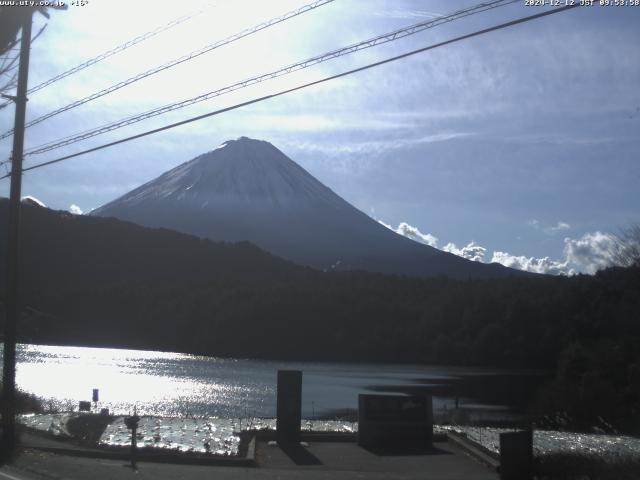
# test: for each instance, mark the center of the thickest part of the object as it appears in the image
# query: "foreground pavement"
(320, 460)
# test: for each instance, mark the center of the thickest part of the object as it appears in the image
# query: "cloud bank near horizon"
(587, 254)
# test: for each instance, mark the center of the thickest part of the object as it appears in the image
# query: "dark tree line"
(102, 282)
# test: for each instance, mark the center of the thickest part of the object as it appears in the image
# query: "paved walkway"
(40, 440)
(348, 460)
(320, 460)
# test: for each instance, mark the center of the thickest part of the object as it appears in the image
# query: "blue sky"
(523, 142)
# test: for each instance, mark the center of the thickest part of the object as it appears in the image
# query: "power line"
(395, 35)
(7, 68)
(130, 43)
(300, 87)
(177, 61)
(9, 63)
(380, 39)
(107, 54)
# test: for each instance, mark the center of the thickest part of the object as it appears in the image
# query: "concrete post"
(516, 455)
(289, 408)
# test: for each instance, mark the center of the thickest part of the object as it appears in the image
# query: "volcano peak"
(247, 189)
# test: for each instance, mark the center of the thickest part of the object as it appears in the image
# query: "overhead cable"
(300, 87)
(380, 39)
(173, 63)
(130, 43)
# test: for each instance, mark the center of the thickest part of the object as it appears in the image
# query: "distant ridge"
(249, 190)
(96, 281)
(61, 250)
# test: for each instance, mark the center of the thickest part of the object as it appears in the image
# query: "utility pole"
(8, 406)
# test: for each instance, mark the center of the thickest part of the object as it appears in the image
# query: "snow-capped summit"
(31, 200)
(247, 189)
(237, 174)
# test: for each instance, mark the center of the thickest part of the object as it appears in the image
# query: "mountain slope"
(249, 190)
(61, 250)
(104, 282)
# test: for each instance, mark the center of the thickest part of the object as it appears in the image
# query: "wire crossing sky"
(115, 50)
(369, 43)
(518, 147)
(177, 61)
(300, 87)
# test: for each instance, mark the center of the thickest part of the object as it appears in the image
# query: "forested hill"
(102, 281)
(60, 250)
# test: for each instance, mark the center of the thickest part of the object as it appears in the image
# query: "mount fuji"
(249, 190)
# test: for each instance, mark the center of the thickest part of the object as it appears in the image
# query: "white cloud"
(560, 226)
(472, 251)
(414, 234)
(559, 139)
(75, 209)
(407, 14)
(321, 122)
(549, 229)
(591, 252)
(532, 264)
(375, 147)
(587, 254)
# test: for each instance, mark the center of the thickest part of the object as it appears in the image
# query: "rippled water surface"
(192, 403)
(218, 436)
(178, 385)
(221, 435)
(551, 441)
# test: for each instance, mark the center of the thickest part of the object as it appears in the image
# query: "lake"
(178, 385)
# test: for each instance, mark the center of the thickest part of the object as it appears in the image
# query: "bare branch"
(39, 32)
(627, 247)
(10, 84)
(11, 64)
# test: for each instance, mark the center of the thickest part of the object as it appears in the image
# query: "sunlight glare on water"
(181, 385)
(160, 383)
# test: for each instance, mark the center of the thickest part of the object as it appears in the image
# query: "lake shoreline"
(173, 385)
(485, 367)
